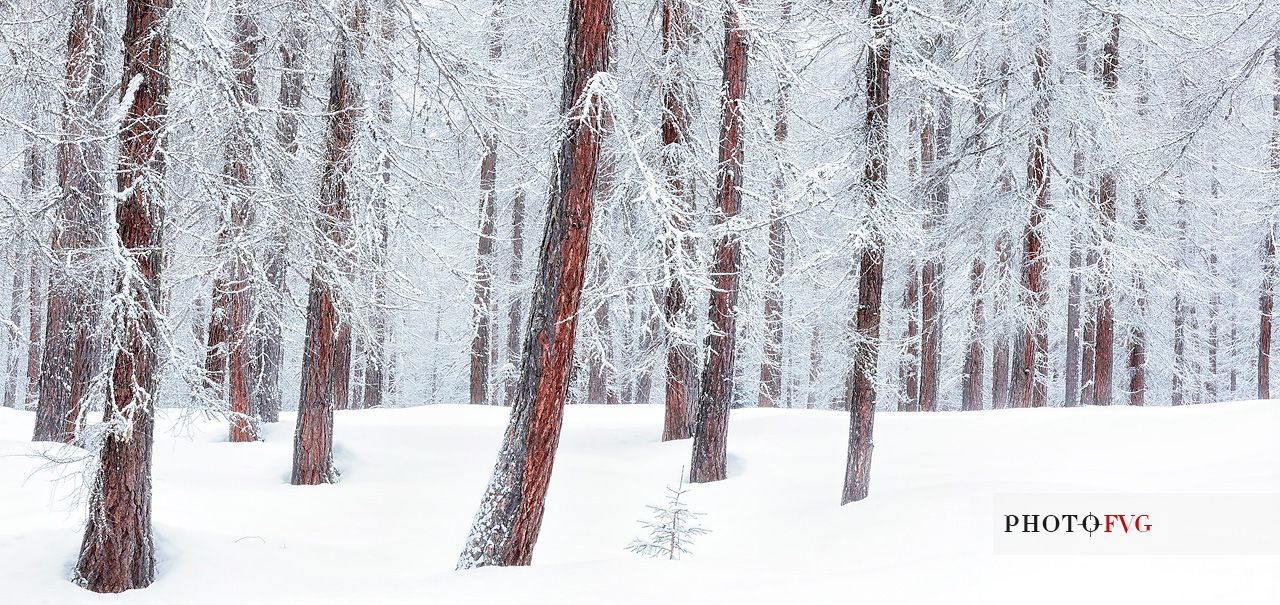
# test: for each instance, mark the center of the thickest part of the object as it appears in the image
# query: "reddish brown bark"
(1032, 361)
(117, 552)
(71, 353)
(482, 304)
(231, 294)
(771, 367)
(681, 379)
(1104, 328)
(936, 171)
(711, 419)
(510, 516)
(326, 353)
(862, 400)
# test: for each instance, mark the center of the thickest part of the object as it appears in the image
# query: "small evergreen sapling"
(672, 529)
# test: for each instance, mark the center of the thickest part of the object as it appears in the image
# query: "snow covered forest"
(259, 213)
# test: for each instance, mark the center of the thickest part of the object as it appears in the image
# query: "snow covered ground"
(231, 530)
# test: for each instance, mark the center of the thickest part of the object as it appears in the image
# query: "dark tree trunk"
(711, 420)
(231, 294)
(1137, 336)
(1031, 384)
(482, 311)
(1105, 323)
(1000, 354)
(326, 353)
(1265, 307)
(71, 354)
(506, 526)
(862, 401)
(771, 368)
(117, 552)
(937, 174)
(681, 379)
(971, 381)
(909, 366)
(375, 359)
(515, 311)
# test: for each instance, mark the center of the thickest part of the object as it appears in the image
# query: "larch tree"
(1104, 324)
(711, 419)
(771, 368)
(72, 348)
(375, 368)
(862, 396)
(482, 338)
(510, 515)
(677, 246)
(26, 280)
(1266, 299)
(326, 360)
(118, 551)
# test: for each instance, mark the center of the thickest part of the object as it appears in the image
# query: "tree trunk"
(1000, 354)
(771, 368)
(677, 247)
(15, 318)
(1034, 342)
(117, 552)
(1075, 285)
(482, 310)
(231, 295)
(711, 422)
(326, 353)
(506, 526)
(24, 249)
(375, 359)
(909, 366)
(971, 381)
(515, 311)
(937, 173)
(862, 401)
(1266, 298)
(1137, 336)
(71, 354)
(1105, 322)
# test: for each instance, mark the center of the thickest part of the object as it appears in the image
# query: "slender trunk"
(681, 379)
(482, 309)
(117, 552)
(771, 368)
(971, 381)
(24, 249)
(326, 353)
(1075, 286)
(1000, 353)
(937, 173)
(862, 400)
(15, 318)
(1137, 335)
(515, 310)
(510, 516)
(1105, 323)
(1215, 302)
(711, 422)
(815, 363)
(909, 367)
(1034, 342)
(375, 358)
(71, 354)
(1265, 308)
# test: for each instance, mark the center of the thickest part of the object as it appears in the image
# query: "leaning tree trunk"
(326, 353)
(117, 552)
(506, 526)
(677, 244)
(482, 311)
(1104, 335)
(862, 400)
(711, 420)
(71, 354)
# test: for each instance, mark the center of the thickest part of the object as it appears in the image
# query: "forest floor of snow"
(230, 529)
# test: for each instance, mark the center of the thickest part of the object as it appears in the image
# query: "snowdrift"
(231, 530)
